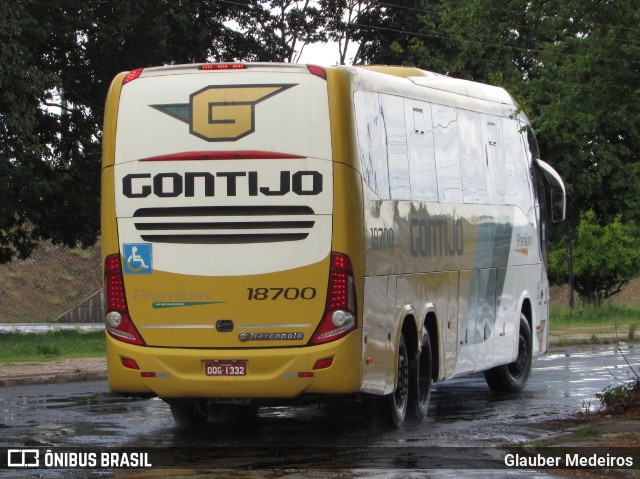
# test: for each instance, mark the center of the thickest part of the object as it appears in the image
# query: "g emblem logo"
(222, 113)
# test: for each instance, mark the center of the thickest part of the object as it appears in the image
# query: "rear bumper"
(271, 373)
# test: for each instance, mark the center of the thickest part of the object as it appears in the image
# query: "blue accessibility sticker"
(138, 258)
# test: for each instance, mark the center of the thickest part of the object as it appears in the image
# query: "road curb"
(53, 372)
(55, 378)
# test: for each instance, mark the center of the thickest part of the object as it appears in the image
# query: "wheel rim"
(401, 393)
(424, 380)
(519, 366)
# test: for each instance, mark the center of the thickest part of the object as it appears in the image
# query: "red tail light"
(132, 75)
(317, 71)
(339, 317)
(117, 320)
(223, 66)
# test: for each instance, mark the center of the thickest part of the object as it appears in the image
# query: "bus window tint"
(472, 157)
(445, 129)
(422, 162)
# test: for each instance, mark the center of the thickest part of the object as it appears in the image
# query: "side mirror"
(558, 192)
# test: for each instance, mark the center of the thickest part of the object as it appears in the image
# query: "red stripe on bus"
(224, 155)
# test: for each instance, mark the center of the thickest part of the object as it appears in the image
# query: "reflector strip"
(224, 155)
(153, 374)
(129, 363)
(323, 363)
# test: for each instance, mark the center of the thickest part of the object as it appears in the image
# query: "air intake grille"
(224, 224)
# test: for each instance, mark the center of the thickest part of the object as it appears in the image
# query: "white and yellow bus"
(289, 232)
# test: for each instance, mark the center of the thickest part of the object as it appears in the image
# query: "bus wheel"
(513, 377)
(398, 400)
(189, 414)
(421, 380)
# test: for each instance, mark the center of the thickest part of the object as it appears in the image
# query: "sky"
(325, 54)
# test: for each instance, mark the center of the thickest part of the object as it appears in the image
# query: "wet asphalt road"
(335, 441)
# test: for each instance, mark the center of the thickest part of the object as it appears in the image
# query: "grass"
(584, 325)
(60, 344)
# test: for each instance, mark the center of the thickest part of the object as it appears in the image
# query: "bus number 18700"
(290, 294)
(381, 238)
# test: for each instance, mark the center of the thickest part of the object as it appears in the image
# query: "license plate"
(225, 368)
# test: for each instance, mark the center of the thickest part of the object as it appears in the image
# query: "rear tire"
(421, 376)
(397, 401)
(513, 377)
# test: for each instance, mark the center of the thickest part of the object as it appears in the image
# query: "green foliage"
(586, 315)
(18, 346)
(58, 59)
(282, 28)
(605, 257)
(621, 398)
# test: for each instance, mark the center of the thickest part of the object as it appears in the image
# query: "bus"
(283, 233)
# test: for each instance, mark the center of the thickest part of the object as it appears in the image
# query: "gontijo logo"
(222, 113)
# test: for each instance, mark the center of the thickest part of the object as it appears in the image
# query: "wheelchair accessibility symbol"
(137, 258)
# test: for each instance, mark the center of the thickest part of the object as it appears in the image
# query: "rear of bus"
(223, 277)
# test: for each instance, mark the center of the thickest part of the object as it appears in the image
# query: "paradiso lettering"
(436, 237)
(201, 183)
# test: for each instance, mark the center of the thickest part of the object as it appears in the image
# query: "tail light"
(223, 66)
(132, 75)
(339, 317)
(117, 320)
(317, 71)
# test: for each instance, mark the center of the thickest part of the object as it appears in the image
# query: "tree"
(606, 257)
(344, 24)
(282, 27)
(585, 97)
(407, 32)
(58, 58)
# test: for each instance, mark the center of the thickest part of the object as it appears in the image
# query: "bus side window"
(445, 136)
(397, 154)
(472, 157)
(495, 161)
(422, 161)
(517, 190)
(372, 141)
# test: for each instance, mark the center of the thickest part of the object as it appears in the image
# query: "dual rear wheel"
(413, 388)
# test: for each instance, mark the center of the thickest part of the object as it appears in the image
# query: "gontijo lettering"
(230, 183)
(436, 237)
